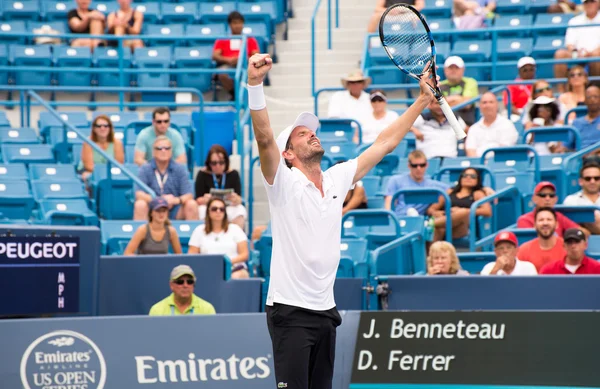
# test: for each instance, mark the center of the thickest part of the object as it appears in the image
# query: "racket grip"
(460, 133)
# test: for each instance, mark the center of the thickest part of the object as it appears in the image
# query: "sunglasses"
(162, 121)
(540, 90)
(416, 165)
(544, 195)
(217, 209)
(215, 163)
(101, 125)
(161, 148)
(576, 74)
(590, 178)
(181, 282)
(469, 175)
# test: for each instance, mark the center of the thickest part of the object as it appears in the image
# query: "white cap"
(525, 61)
(543, 100)
(305, 119)
(454, 60)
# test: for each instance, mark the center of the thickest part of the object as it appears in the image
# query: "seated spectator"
(382, 5)
(548, 246)
(589, 124)
(442, 260)
(168, 179)
(577, 81)
(589, 180)
(468, 190)
(575, 261)
(227, 51)
(492, 130)
(544, 195)
(470, 14)
(84, 20)
(217, 175)
(354, 102)
(507, 263)
(435, 137)
(581, 42)
(103, 134)
(218, 236)
(356, 198)
(544, 112)
(161, 117)
(415, 178)
(182, 301)
(156, 236)
(457, 88)
(521, 93)
(378, 120)
(541, 88)
(126, 21)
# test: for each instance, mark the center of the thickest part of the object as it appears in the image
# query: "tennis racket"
(407, 40)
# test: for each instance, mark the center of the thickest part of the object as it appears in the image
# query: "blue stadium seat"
(518, 25)
(78, 57)
(106, 7)
(111, 195)
(546, 46)
(355, 250)
(52, 172)
(194, 57)
(120, 120)
(16, 201)
(18, 135)
(443, 52)
(593, 249)
(56, 10)
(23, 56)
(155, 58)
(474, 262)
(3, 75)
(13, 171)
(511, 7)
(436, 25)
(263, 12)
(204, 35)
(151, 11)
(519, 158)
(4, 122)
(108, 58)
(154, 31)
(345, 268)
(473, 50)
(64, 189)
(339, 151)
(524, 181)
(63, 147)
(47, 121)
(463, 162)
(511, 49)
(260, 31)
(536, 7)
(215, 12)
(66, 212)
(20, 9)
(185, 13)
(370, 184)
(185, 228)
(556, 21)
(12, 27)
(113, 233)
(27, 154)
(336, 130)
(438, 8)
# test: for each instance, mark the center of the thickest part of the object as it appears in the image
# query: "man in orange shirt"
(547, 247)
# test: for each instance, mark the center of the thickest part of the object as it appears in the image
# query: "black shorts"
(303, 346)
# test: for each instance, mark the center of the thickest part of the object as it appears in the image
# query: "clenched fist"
(258, 67)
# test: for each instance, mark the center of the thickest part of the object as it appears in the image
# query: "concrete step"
(359, 9)
(289, 54)
(305, 44)
(326, 67)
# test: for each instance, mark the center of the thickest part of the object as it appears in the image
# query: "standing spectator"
(575, 262)
(156, 236)
(548, 246)
(182, 301)
(442, 260)
(581, 42)
(382, 5)
(589, 195)
(218, 236)
(507, 263)
(161, 118)
(492, 130)
(168, 179)
(589, 124)
(457, 88)
(126, 21)
(217, 175)
(103, 134)
(575, 94)
(84, 20)
(378, 120)
(354, 102)
(227, 51)
(521, 93)
(415, 178)
(435, 137)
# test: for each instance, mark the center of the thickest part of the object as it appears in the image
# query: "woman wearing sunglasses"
(217, 175)
(467, 191)
(577, 81)
(103, 135)
(379, 119)
(156, 236)
(219, 236)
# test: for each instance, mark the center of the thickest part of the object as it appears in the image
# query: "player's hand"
(424, 83)
(258, 67)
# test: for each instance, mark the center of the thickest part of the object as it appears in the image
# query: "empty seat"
(80, 57)
(155, 58)
(16, 201)
(47, 190)
(109, 58)
(518, 25)
(52, 172)
(194, 57)
(23, 56)
(4, 122)
(435, 25)
(512, 7)
(185, 228)
(151, 11)
(262, 12)
(76, 119)
(260, 31)
(438, 8)
(27, 153)
(473, 51)
(511, 49)
(20, 9)
(215, 12)
(204, 35)
(13, 171)
(336, 130)
(155, 31)
(370, 185)
(66, 212)
(18, 135)
(339, 151)
(557, 22)
(186, 13)
(111, 195)
(106, 7)
(3, 76)
(113, 233)
(463, 162)
(55, 10)
(546, 46)
(12, 27)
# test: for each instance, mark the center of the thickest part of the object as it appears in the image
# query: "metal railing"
(313, 38)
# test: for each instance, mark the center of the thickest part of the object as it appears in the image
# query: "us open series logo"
(63, 358)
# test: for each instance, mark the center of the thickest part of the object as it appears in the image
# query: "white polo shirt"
(580, 199)
(306, 229)
(500, 133)
(587, 38)
(522, 268)
(343, 105)
(439, 140)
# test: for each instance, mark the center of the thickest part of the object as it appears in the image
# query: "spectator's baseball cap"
(525, 61)
(542, 185)
(158, 203)
(506, 236)
(182, 270)
(305, 119)
(573, 234)
(454, 60)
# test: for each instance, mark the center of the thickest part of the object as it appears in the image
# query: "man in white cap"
(306, 212)
(354, 102)
(457, 88)
(521, 93)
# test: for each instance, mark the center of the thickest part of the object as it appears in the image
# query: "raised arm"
(258, 67)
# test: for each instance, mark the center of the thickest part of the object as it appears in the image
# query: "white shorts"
(233, 211)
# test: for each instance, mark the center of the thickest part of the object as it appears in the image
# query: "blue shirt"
(176, 179)
(404, 181)
(590, 131)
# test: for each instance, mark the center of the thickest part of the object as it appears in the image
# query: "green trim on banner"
(454, 386)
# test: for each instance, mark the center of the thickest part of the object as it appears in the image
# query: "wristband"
(256, 97)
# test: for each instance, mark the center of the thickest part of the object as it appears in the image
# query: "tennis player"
(306, 217)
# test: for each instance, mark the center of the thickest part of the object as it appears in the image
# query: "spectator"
(589, 195)
(218, 236)
(468, 190)
(382, 5)
(470, 14)
(544, 112)
(84, 20)
(435, 137)
(442, 260)
(356, 198)
(168, 179)
(507, 263)
(354, 102)
(156, 236)
(541, 88)
(521, 93)
(378, 120)
(577, 81)
(415, 178)
(548, 246)
(589, 124)
(581, 42)
(161, 117)
(103, 134)
(492, 130)
(457, 88)
(544, 195)
(227, 51)
(575, 261)
(126, 21)
(217, 175)
(182, 301)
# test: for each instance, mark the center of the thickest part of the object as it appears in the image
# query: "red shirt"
(532, 252)
(562, 222)
(588, 266)
(231, 47)
(519, 94)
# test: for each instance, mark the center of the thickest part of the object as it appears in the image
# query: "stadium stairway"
(290, 90)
